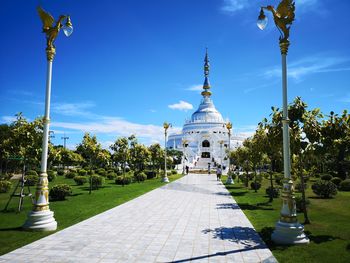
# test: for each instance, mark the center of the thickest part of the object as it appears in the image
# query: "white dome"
(207, 112)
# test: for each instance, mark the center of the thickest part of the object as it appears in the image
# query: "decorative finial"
(206, 85)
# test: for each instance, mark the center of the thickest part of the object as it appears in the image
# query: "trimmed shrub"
(59, 192)
(80, 180)
(336, 181)
(120, 172)
(31, 179)
(255, 186)
(265, 175)
(275, 191)
(278, 178)
(71, 174)
(60, 172)
(299, 203)
(298, 186)
(151, 174)
(111, 175)
(233, 175)
(5, 186)
(51, 175)
(345, 185)
(123, 179)
(140, 177)
(32, 172)
(326, 177)
(101, 171)
(324, 189)
(173, 172)
(96, 181)
(82, 172)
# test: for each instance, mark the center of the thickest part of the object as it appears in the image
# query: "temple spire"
(206, 84)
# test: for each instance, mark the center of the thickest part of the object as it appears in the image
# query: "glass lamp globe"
(68, 28)
(262, 20)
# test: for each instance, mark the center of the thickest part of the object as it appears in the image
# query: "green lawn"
(329, 231)
(76, 208)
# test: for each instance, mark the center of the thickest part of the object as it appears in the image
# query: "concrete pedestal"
(165, 179)
(289, 234)
(40, 221)
(229, 180)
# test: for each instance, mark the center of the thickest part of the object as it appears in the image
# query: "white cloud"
(232, 6)
(152, 110)
(8, 119)
(196, 87)
(310, 65)
(76, 109)
(345, 99)
(118, 127)
(182, 105)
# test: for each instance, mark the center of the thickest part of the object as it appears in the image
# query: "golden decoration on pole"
(52, 30)
(283, 17)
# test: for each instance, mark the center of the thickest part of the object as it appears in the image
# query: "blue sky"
(131, 65)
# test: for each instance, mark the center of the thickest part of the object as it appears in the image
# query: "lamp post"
(229, 178)
(166, 126)
(184, 145)
(288, 230)
(221, 143)
(41, 218)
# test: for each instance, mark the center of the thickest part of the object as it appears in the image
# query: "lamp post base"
(165, 179)
(289, 234)
(229, 180)
(40, 221)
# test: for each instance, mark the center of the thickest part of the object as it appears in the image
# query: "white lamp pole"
(41, 218)
(229, 177)
(288, 230)
(165, 178)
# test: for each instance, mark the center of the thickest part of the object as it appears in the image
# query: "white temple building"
(204, 139)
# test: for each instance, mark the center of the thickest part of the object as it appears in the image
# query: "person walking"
(187, 168)
(218, 173)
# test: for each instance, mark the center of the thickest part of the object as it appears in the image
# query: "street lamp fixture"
(221, 142)
(41, 218)
(229, 178)
(184, 145)
(166, 126)
(288, 230)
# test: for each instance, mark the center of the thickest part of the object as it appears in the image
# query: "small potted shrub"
(275, 191)
(80, 180)
(96, 181)
(345, 185)
(299, 203)
(255, 185)
(71, 174)
(326, 177)
(5, 186)
(31, 179)
(111, 175)
(140, 177)
(324, 189)
(59, 192)
(336, 181)
(51, 175)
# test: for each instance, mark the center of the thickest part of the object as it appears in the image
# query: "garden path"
(192, 219)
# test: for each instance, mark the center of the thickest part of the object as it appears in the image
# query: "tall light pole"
(184, 145)
(41, 218)
(229, 178)
(288, 230)
(166, 126)
(221, 143)
(64, 138)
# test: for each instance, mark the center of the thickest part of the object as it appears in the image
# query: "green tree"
(157, 156)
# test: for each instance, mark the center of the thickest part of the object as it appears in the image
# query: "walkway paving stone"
(193, 219)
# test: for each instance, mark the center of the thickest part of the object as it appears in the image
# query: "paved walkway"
(193, 219)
